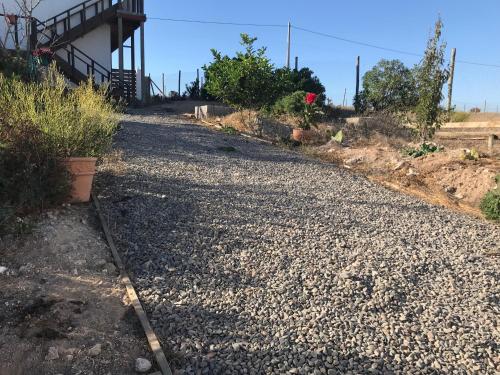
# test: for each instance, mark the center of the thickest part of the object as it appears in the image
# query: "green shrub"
(490, 205)
(292, 104)
(78, 123)
(459, 116)
(40, 125)
(424, 149)
(32, 175)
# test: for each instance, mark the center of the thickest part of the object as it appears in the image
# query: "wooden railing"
(76, 56)
(133, 6)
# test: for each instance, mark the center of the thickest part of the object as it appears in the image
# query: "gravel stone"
(142, 365)
(279, 263)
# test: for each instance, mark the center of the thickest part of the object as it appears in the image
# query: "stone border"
(153, 341)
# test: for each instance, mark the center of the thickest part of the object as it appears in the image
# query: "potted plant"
(308, 119)
(43, 56)
(78, 125)
(87, 138)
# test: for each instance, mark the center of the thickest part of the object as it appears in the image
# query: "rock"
(95, 350)
(142, 365)
(100, 262)
(3, 269)
(354, 160)
(411, 172)
(450, 189)
(400, 165)
(111, 268)
(52, 354)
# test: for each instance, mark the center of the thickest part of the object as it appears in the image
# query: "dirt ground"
(441, 178)
(62, 308)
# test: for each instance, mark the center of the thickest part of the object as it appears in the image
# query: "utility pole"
(343, 101)
(289, 41)
(163, 83)
(357, 78)
(179, 86)
(198, 79)
(450, 78)
(296, 63)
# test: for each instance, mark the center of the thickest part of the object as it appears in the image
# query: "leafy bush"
(13, 64)
(424, 149)
(245, 81)
(388, 86)
(77, 123)
(32, 175)
(301, 105)
(292, 104)
(431, 75)
(40, 125)
(193, 89)
(459, 116)
(289, 81)
(471, 154)
(490, 205)
(250, 81)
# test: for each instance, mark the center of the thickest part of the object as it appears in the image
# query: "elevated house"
(83, 36)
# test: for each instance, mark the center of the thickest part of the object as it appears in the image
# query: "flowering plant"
(310, 113)
(43, 52)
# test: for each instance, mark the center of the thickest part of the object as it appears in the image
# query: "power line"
(326, 35)
(356, 42)
(216, 22)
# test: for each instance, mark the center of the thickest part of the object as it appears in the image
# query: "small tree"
(431, 75)
(245, 81)
(290, 81)
(388, 86)
(193, 89)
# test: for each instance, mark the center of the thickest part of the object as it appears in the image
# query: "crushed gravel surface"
(251, 259)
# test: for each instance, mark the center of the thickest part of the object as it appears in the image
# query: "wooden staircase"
(60, 31)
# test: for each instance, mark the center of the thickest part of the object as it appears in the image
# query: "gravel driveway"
(256, 260)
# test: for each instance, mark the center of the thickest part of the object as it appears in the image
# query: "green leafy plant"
(229, 130)
(250, 81)
(193, 89)
(310, 113)
(339, 137)
(388, 86)
(290, 81)
(430, 76)
(471, 154)
(459, 116)
(32, 175)
(245, 81)
(490, 204)
(424, 149)
(292, 104)
(77, 123)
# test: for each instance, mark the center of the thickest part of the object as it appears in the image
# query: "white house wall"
(96, 44)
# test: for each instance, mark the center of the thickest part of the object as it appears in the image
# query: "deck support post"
(144, 86)
(120, 49)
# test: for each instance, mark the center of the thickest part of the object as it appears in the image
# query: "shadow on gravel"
(201, 140)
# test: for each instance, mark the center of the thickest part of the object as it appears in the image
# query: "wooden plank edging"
(153, 341)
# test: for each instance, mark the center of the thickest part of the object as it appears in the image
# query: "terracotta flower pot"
(301, 135)
(82, 172)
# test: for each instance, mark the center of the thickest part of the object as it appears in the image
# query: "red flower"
(310, 98)
(42, 52)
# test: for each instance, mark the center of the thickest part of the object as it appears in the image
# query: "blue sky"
(398, 24)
